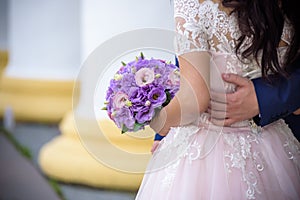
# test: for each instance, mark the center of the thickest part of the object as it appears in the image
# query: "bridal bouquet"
(138, 90)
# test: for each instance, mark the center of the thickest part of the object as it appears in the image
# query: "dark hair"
(264, 21)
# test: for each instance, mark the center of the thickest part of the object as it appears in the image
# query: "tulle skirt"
(208, 162)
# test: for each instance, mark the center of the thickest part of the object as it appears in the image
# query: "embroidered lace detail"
(173, 148)
(179, 140)
(206, 27)
(291, 145)
(206, 20)
(239, 157)
(170, 172)
(193, 152)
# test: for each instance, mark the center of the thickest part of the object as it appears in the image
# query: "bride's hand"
(154, 145)
(158, 123)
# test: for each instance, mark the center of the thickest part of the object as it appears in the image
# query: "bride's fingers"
(154, 146)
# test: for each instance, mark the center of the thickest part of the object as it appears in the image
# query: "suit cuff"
(158, 137)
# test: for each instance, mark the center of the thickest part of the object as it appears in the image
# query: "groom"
(260, 100)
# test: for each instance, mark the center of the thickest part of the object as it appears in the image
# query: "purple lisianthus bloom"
(138, 95)
(127, 82)
(160, 75)
(157, 63)
(115, 85)
(141, 63)
(109, 93)
(157, 96)
(124, 117)
(145, 114)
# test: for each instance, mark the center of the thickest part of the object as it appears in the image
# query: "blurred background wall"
(44, 39)
(46, 42)
(3, 24)
(3, 34)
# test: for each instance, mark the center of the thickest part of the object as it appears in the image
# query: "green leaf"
(142, 55)
(137, 127)
(104, 108)
(168, 98)
(124, 129)
(123, 63)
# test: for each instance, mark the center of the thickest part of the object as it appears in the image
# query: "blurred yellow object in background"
(3, 61)
(36, 100)
(66, 158)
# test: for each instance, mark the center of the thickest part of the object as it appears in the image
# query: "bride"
(199, 160)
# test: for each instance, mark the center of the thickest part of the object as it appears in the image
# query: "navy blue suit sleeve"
(279, 99)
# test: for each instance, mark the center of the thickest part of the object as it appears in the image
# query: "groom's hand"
(226, 109)
(297, 112)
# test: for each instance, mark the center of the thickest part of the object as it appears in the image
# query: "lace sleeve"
(191, 34)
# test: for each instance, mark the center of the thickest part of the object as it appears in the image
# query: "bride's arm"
(192, 97)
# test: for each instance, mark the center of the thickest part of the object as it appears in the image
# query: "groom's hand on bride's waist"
(226, 109)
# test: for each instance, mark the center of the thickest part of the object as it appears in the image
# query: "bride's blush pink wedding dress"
(208, 162)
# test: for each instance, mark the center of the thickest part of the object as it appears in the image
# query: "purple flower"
(145, 114)
(157, 96)
(138, 96)
(127, 82)
(124, 117)
(109, 93)
(142, 63)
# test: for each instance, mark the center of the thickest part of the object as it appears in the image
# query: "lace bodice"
(208, 26)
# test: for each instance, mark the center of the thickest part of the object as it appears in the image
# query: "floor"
(34, 136)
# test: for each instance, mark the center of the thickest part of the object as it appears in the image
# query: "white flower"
(120, 100)
(144, 76)
(174, 77)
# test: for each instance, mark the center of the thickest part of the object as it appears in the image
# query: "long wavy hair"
(264, 20)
